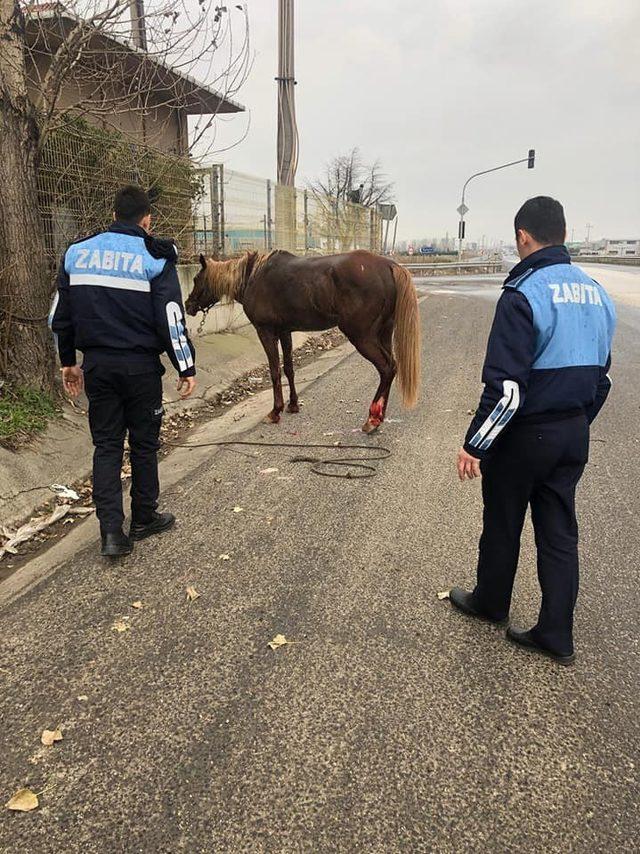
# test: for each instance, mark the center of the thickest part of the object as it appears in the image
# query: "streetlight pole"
(462, 210)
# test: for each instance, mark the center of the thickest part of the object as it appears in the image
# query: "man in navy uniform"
(545, 380)
(119, 302)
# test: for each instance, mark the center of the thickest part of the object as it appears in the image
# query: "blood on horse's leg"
(287, 359)
(372, 350)
(376, 415)
(269, 341)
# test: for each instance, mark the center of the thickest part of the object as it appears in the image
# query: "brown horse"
(368, 297)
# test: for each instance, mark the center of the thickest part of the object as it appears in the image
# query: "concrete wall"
(221, 318)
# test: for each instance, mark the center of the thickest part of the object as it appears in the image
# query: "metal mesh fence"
(237, 212)
(81, 169)
(214, 211)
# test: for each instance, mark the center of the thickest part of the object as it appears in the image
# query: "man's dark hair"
(543, 218)
(131, 204)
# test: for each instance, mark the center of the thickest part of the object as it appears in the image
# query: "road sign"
(462, 210)
(427, 250)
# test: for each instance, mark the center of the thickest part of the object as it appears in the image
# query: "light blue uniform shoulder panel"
(120, 257)
(573, 317)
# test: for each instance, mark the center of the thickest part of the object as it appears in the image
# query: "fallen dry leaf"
(278, 641)
(192, 594)
(49, 736)
(238, 509)
(224, 557)
(137, 605)
(24, 800)
(444, 594)
(82, 698)
(120, 626)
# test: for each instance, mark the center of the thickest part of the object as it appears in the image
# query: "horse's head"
(202, 297)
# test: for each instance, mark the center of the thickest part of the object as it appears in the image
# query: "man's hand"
(186, 386)
(73, 380)
(468, 466)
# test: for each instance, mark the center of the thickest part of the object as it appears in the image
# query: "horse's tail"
(406, 336)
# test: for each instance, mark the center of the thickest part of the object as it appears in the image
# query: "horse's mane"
(227, 278)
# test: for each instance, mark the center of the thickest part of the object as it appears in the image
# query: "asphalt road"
(392, 724)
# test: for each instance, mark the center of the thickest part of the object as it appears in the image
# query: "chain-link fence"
(236, 212)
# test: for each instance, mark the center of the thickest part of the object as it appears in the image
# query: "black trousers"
(121, 400)
(537, 465)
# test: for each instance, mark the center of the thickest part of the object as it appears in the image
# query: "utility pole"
(138, 24)
(286, 233)
(287, 128)
(530, 160)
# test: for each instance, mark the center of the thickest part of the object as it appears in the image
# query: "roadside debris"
(34, 526)
(64, 491)
(137, 605)
(192, 594)
(50, 736)
(444, 594)
(24, 800)
(121, 625)
(278, 641)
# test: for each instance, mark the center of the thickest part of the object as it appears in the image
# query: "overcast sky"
(439, 89)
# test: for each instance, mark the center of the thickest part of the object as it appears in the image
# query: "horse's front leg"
(269, 341)
(287, 359)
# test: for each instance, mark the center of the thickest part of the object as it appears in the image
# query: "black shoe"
(160, 522)
(525, 639)
(463, 601)
(115, 544)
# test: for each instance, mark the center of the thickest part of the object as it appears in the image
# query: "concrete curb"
(238, 420)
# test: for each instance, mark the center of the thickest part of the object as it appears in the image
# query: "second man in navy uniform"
(119, 302)
(545, 377)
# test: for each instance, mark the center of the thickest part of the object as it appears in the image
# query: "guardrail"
(624, 260)
(460, 267)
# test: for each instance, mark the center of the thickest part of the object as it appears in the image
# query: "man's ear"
(203, 262)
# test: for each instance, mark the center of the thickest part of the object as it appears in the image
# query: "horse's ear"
(203, 262)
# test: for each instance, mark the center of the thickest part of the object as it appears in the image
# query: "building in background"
(624, 248)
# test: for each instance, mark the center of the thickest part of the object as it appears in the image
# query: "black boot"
(463, 600)
(115, 544)
(158, 523)
(527, 640)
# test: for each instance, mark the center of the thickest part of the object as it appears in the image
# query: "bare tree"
(347, 186)
(122, 68)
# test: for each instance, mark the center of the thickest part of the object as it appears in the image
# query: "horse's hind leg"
(269, 341)
(375, 351)
(287, 358)
(386, 342)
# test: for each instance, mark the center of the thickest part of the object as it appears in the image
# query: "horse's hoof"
(293, 407)
(370, 425)
(271, 418)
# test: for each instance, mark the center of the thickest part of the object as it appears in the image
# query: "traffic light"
(532, 158)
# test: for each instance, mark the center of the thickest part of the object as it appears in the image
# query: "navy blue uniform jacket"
(119, 297)
(549, 349)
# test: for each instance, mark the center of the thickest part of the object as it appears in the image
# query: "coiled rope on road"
(357, 466)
